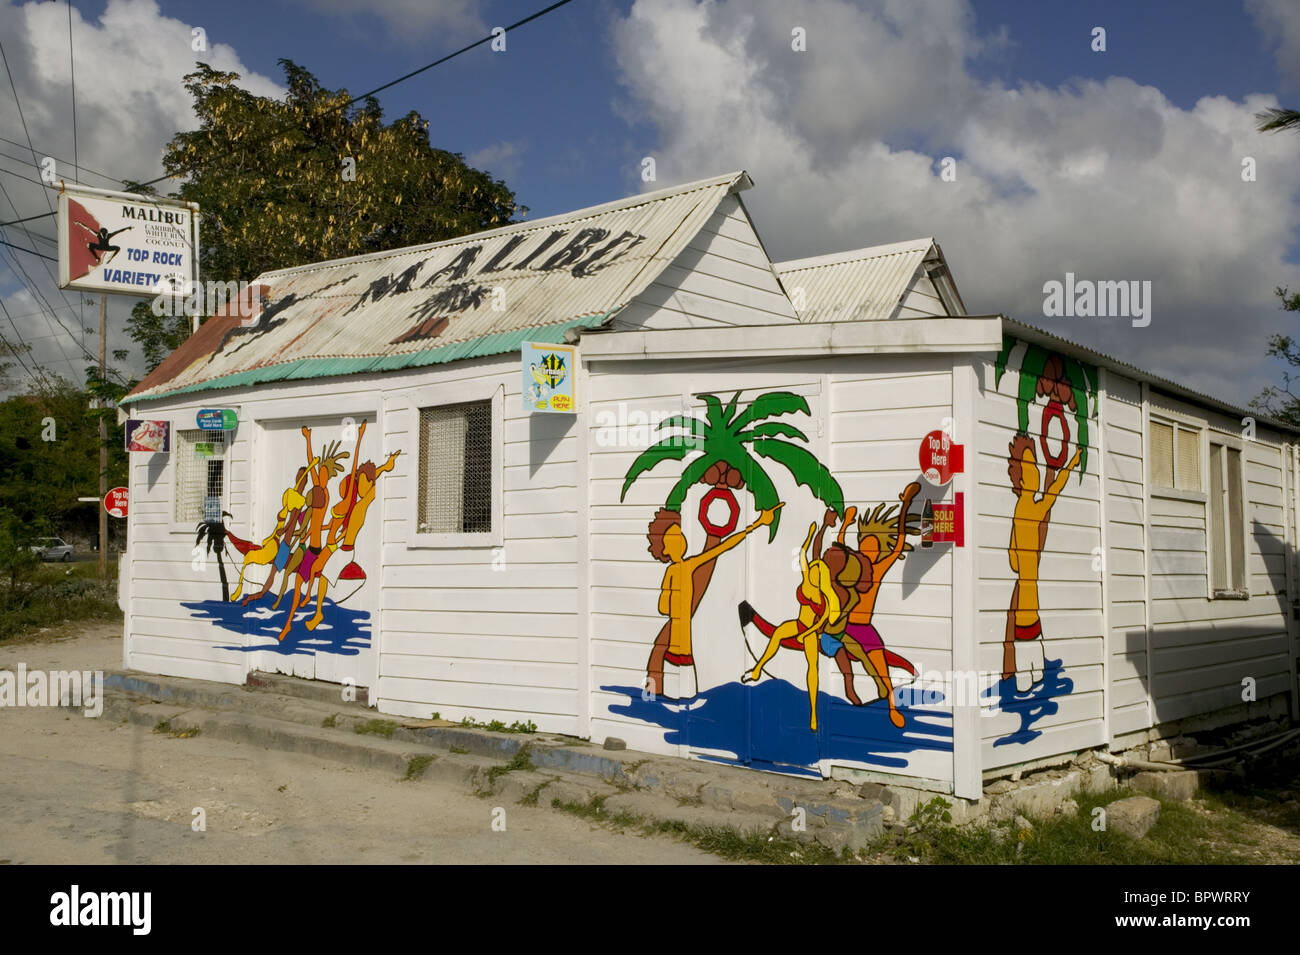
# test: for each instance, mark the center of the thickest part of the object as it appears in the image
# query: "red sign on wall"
(115, 502)
(950, 521)
(941, 458)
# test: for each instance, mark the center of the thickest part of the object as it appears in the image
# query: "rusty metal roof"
(858, 285)
(481, 294)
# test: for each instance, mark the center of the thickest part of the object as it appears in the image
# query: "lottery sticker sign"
(217, 419)
(548, 378)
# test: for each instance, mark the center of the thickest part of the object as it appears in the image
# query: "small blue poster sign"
(548, 378)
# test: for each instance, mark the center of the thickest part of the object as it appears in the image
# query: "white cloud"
(130, 102)
(1109, 180)
(1279, 21)
(501, 160)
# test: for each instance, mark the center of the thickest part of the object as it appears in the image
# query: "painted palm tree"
(1059, 377)
(729, 441)
(215, 534)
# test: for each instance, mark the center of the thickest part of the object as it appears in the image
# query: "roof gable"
(480, 294)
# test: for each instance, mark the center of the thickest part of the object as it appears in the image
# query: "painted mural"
(311, 549)
(829, 614)
(1058, 389)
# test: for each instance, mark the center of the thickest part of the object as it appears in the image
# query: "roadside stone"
(1159, 751)
(876, 792)
(1022, 824)
(614, 743)
(1179, 786)
(999, 787)
(1133, 816)
(1069, 808)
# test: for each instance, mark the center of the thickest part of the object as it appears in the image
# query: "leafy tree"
(49, 456)
(309, 178)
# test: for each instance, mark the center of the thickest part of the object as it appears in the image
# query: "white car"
(53, 548)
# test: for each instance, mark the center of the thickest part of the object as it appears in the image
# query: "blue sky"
(1116, 165)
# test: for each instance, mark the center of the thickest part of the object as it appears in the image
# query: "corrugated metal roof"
(477, 295)
(847, 286)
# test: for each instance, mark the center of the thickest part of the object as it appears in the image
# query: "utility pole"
(103, 440)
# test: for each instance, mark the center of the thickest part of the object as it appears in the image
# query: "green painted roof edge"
(499, 343)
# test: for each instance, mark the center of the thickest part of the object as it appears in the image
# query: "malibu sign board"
(125, 243)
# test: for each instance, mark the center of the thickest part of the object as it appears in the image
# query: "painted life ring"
(719, 494)
(1055, 410)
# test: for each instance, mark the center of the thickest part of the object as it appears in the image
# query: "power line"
(72, 72)
(29, 251)
(401, 79)
(96, 172)
(43, 215)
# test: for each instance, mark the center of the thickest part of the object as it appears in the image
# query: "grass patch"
(382, 728)
(519, 762)
(496, 726)
(330, 721)
(1181, 836)
(416, 766)
(721, 841)
(59, 594)
(164, 728)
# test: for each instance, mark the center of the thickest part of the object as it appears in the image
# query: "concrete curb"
(277, 714)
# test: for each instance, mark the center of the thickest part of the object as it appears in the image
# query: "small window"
(1227, 534)
(200, 468)
(1175, 456)
(455, 478)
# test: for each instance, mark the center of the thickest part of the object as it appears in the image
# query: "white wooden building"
(459, 554)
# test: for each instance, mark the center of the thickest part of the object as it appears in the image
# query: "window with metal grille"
(199, 459)
(1227, 535)
(1175, 456)
(455, 483)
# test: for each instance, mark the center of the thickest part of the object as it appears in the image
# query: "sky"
(1117, 164)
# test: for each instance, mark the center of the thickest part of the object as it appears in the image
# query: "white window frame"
(174, 464)
(1177, 420)
(453, 394)
(1227, 441)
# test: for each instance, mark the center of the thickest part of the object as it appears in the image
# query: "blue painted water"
(342, 630)
(1032, 706)
(765, 725)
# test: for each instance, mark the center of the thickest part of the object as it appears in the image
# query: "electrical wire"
(401, 79)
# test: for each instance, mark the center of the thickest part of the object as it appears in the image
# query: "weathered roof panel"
(863, 284)
(409, 307)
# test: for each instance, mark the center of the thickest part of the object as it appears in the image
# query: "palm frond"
(670, 449)
(771, 405)
(690, 475)
(805, 469)
(1274, 120)
(772, 429)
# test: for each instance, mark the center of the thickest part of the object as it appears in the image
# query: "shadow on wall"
(342, 630)
(1170, 687)
(726, 718)
(545, 432)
